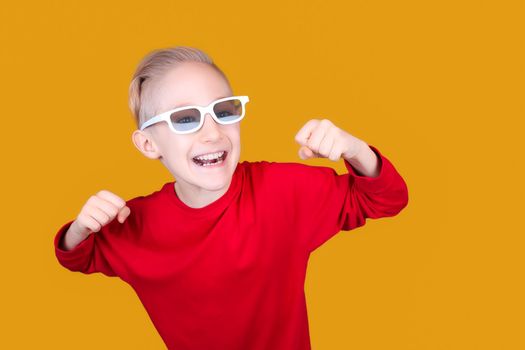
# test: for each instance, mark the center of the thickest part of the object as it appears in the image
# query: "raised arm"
(76, 246)
(99, 210)
(372, 188)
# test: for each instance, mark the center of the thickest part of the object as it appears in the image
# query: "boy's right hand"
(98, 211)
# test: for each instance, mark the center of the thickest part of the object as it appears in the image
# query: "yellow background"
(437, 86)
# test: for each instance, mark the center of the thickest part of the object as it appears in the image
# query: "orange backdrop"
(437, 86)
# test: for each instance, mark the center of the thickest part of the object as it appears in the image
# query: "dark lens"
(228, 111)
(185, 120)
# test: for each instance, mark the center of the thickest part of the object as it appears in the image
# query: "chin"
(215, 184)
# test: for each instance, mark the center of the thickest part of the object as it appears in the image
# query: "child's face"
(194, 83)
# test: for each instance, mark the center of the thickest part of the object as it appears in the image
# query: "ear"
(145, 144)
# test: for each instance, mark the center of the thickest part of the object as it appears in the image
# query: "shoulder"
(285, 172)
(271, 167)
(144, 200)
(143, 206)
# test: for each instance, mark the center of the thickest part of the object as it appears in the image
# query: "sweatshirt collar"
(216, 206)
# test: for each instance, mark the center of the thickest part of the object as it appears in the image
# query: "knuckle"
(310, 123)
(94, 200)
(87, 209)
(84, 208)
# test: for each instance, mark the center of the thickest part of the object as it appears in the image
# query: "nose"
(210, 130)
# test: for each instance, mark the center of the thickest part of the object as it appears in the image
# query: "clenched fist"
(99, 210)
(322, 139)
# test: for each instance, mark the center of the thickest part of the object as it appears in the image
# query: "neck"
(198, 197)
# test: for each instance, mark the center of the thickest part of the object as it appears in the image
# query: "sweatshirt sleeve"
(330, 202)
(87, 257)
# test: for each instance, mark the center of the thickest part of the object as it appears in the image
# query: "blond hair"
(152, 67)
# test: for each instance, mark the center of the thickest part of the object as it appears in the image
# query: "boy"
(218, 257)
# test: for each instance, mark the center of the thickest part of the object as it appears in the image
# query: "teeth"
(211, 164)
(210, 156)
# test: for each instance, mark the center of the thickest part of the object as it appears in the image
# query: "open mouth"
(210, 159)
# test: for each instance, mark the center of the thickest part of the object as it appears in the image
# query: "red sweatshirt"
(231, 275)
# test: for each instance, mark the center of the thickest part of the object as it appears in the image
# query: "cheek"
(177, 148)
(234, 134)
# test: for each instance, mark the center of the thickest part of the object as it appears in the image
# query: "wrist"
(77, 232)
(365, 162)
(360, 149)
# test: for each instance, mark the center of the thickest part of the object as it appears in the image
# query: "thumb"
(123, 214)
(305, 152)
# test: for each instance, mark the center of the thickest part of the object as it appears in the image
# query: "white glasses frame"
(166, 116)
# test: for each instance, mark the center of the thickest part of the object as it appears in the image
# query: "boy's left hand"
(322, 139)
